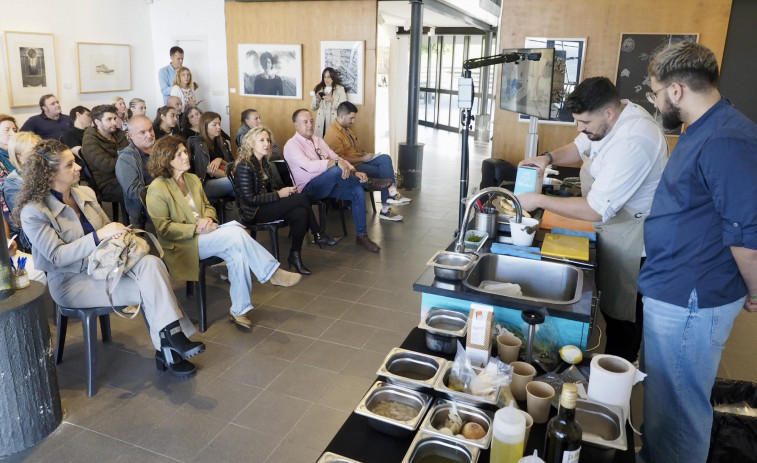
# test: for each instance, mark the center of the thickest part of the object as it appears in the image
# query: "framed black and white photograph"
(31, 67)
(347, 59)
(270, 71)
(103, 67)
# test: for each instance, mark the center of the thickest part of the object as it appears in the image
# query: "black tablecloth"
(358, 441)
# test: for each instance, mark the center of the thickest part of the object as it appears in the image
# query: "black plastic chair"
(98, 192)
(88, 317)
(202, 305)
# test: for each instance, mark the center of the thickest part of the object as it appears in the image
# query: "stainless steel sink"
(541, 282)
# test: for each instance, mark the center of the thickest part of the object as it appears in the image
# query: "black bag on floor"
(734, 436)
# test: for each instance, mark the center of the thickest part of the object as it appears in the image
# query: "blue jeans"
(242, 255)
(330, 184)
(680, 353)
(379, 167)
(218, 187)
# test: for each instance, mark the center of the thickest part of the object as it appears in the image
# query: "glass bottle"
(563, 441)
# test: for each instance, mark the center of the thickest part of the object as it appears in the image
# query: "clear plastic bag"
(462, 371)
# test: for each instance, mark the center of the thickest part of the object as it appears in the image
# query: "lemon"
(571, 354)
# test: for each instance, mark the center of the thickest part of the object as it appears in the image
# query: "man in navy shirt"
(50, 124)
(701, 244)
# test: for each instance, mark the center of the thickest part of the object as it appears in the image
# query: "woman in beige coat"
(329, 94)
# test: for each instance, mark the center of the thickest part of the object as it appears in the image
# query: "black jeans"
(624, 337)
(296, 209)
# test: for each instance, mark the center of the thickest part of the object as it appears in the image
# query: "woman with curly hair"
(65, 224)
(263, 198)
(329, 94)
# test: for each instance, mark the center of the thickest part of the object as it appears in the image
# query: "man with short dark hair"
(623, 152)
(50, 124)
(319, 173)
(131, 168)
(343, 141)
(100, 147)
(72, 137)
(167, 74)
(701, 244)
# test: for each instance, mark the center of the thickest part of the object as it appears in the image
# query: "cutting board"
(551, 220)
(572, 247)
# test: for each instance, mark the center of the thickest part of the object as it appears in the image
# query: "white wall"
(104, 21)
(202, 22)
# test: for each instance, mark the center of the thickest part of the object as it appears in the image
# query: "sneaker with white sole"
(390, 214)
(398, 200)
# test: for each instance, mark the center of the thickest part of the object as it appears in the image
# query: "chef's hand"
(529, 201)
(539, 161)
(751, 303)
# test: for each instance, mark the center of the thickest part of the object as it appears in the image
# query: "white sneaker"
(398, 200)
(390, 214)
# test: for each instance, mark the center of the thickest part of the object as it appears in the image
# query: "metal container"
(380, 392)
(428, 447)
(474, 246)
(487, 221)
(444, 328)
(457, 396)
(601, 424)
(329, 457)
(452, 265)
(437, 417)
(411, 369)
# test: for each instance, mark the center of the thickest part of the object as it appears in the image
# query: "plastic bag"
(462, 371)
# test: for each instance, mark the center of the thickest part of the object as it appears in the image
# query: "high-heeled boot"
(172, 339)
(178, 367)
(295, 260)
(322, 239)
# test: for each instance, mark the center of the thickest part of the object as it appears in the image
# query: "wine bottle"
(563, 442)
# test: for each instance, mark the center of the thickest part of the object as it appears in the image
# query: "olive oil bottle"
(563, 442)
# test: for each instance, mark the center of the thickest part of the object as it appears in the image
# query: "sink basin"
(541, 282)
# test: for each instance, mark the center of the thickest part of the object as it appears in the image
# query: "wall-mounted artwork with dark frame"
(270, 70)
(31, 67)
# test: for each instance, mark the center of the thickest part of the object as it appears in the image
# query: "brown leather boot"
(283, 278)
(366, 242)
(377, 184)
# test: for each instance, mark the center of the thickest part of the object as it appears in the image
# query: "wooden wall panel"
(602, 22)
(306, 23)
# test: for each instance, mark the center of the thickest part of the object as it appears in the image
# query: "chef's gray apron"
(621, 243)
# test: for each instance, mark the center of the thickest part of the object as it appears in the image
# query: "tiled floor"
(279, 394)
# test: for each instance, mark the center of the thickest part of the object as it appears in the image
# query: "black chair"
(88, 317)
(98, 192)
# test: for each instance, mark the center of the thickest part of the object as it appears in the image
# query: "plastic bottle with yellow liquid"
(508, 435)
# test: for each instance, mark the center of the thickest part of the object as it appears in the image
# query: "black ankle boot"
(295, 260)
(178, 367)
(173, 339)
(322, 239)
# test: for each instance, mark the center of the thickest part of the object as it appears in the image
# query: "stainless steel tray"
(437, 416)
(428, 445)
(445, 322)
(383, 391)
(329, 457)
(452, 265)
(601, 424)
(411, 369)
(458, 396)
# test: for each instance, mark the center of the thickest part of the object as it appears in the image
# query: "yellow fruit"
(571, 354)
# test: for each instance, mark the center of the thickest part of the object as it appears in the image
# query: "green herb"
(474, 238)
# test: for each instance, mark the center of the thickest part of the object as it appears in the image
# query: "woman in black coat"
(263, 198)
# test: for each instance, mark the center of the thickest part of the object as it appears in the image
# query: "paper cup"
(523, 373)
(508, 347)
(529, 423)
(518, 231)
(539, 400)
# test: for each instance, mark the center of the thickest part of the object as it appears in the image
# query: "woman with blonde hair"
(263, 198)
(137, 107)
(121, 113)
(185, 88)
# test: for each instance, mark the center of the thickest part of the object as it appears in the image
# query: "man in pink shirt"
(319, 173)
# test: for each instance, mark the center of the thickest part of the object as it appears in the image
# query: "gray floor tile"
(303, 381)
(381, 318)
(240, 338)
(283, 345)
(306, 324)
(291, 299)
(255, 370)
(365, 364)
(345, 392)
(347, 333)
(269, 316)
(327, 306)
(272, 413)
(132, 419)
(359, 277)
(183, 434)
(48, 447)
(238, 444)
(327, 355)
(346, 291)
(216, 359)
(89, 446)
(83, 411)
(315, 283)
(288, 452)
(382, 341)
(222, 399)
(136, 454)
(317, 427)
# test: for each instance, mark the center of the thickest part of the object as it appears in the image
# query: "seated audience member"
(341, 139)
(210, 154)
(131, 168)
(72, 137)
(137, 107)
(50, 124)
(319, 173)
(251, 119)
(175, 103)
(166, 75)
(262, 196)
(65, 223)
(185, 88)
(8, 130)
(188, 230)
(165, 122)
(121, 111)
(100, 149)
(190, 122)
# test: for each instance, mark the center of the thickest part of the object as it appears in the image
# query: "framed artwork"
(347, 59)
(569, 55)
(103, 67)
(31, 67)
(632, 78)
(270, 71)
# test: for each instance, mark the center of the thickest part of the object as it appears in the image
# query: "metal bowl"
(411, 369)
(381, 391)
(451, 265)
(329, 457)
(440, 410)
(443, 329)
(457, 396)
(427, 447)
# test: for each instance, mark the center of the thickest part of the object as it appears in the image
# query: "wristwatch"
(549, 155)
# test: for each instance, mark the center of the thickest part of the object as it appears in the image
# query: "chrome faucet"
(496, 191)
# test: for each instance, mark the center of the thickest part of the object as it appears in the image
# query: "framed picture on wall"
(103, 67)
(632, 78)
(569, 55)
(270, 71)
(31, 67)
(347, 59)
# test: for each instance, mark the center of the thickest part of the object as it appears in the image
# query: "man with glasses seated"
(319, 173)
(623, 152)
